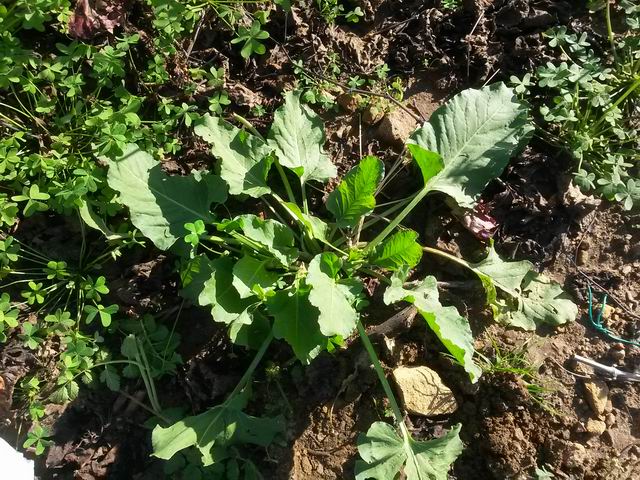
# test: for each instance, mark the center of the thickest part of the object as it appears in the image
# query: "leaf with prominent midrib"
(245, 160)
(296, 321)
(159, 204)
(475, 133)
(337, 315)
(297, 136)
(354, 197)
(399, 250)
(451, 328)
(384, 453)
(211, 285)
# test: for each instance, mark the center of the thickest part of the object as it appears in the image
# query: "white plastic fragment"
(13, 465)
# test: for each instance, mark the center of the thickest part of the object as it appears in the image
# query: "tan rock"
(596, 427)
(395, 127)
(423, 393)
(597, 395)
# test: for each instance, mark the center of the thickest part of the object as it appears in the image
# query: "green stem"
(620, 99)
(397, 413)
(285, 181)
(252, 366)
(305, 205)
(610, 31)
(448, 256)
(396, 221)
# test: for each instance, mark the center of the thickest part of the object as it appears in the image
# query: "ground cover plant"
(595, 107)
(133, 158)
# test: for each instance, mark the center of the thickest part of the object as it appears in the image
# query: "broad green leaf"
(297, 136)
(384, 453)
(475, 133)
(296, 321)
(337, 315)
(429, 163)
(213, 431)
(245, 160)
(212, 286)
(275, 237)
(159, 204)
(451, 328)
(399, 250)
(354, 197)
(529, 299)
(249, 273)
(542, 301)
(493, 271)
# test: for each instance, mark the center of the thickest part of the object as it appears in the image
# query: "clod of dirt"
(595, 427)
(597, 393)
(349, 101)
(423, 393)
(395, 128)
(574, 456)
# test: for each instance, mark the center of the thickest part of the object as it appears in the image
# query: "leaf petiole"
(395, 408)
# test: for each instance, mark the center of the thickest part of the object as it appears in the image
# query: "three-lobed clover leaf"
(251, 37)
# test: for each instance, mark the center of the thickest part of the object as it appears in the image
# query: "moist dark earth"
(575, 239)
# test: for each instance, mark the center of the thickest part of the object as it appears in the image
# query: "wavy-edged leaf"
(159, 204)
(334, 300)
(450, 327)
(296, 321)
(528, 298)
(213, 431)
(297, 136)
(211, 285)
(245, 159)
(399, 250)
(384, 453)
(475, 133)
(354, 197)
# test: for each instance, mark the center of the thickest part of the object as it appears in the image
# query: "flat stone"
(597, 395)
(423, 393)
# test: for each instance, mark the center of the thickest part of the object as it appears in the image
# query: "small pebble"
(626, 270)
(608, 311)
(583, 257)
(610, 419)
(617, 354)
